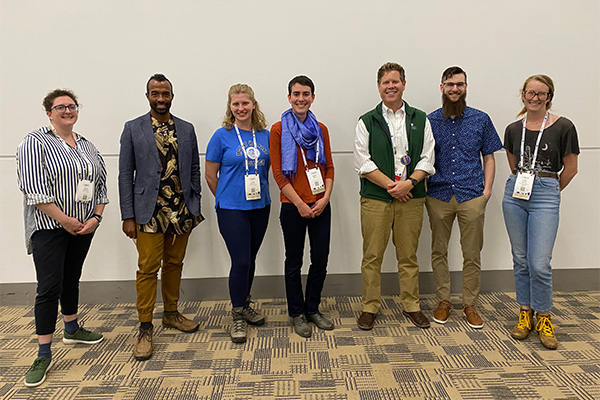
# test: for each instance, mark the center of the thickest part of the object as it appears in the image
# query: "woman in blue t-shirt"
(237, 173)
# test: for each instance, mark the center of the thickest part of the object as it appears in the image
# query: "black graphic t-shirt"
(558, 140)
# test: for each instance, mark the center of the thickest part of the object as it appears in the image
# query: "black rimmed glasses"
(450, 85)
(530, 95)
(61, 109)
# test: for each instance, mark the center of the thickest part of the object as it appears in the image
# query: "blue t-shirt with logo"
(224, 148)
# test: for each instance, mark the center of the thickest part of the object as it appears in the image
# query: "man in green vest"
(393, 154)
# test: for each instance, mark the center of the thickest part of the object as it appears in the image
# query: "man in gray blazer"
(159, 194)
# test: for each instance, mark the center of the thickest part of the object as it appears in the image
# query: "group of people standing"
(406, 161)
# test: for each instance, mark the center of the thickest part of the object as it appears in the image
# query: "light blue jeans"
(532, 226)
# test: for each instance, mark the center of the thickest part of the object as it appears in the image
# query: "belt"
(542, 174)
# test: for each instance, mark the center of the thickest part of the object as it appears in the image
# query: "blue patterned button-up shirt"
(459, 145)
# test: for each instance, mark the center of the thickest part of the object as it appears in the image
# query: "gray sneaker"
(238, 326)
(37, 373)
(252, 316)
(301, 326)
(319, 320)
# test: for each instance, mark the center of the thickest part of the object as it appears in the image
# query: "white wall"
(105, 51)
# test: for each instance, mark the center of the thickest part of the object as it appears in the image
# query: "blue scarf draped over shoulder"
(306, 135)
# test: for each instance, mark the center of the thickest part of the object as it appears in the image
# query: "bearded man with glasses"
(460, 189)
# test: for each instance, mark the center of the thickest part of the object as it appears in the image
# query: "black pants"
(294, 229)
(58, 258)
(243, 232)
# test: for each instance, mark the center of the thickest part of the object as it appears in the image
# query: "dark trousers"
(243, 232)
(58, 258)
(294, 229)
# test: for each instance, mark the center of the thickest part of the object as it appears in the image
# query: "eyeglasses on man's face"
(450, 85)
(62, 109)
(530, 95)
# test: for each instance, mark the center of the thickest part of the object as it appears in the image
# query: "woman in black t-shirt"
(542, 151)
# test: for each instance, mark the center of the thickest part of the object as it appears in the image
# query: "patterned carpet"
(393, 361)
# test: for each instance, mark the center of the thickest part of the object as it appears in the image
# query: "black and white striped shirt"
(48, 171)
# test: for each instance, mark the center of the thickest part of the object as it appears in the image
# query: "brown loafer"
(366, 321)
(417, 318)
(143, 347)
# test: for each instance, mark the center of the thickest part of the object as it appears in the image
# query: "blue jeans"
(532, 226)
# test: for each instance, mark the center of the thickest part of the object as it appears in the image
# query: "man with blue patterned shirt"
(460, 189)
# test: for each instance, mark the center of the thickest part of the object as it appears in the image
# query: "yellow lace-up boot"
(525, 325)
(546, 331)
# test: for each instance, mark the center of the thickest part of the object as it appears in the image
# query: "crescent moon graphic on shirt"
(545, 147)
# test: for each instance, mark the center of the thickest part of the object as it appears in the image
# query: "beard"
(454, 108)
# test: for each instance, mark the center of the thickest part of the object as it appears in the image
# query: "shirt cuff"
(425, 166)
(367, 167)
(38, 198)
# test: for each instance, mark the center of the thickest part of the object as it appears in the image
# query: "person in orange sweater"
(303, 169)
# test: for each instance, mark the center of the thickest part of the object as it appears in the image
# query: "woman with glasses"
(237, 173)
(63, 180)
(542, 150)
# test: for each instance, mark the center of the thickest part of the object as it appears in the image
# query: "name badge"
(523, 185)
(85, 191)
(252, 187)
(315, 180)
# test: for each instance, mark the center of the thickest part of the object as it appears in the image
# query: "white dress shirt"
(397, 126)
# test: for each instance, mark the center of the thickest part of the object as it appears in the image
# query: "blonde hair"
(258, 118)
(546, 80)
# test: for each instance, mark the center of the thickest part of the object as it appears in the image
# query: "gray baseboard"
(99, 292)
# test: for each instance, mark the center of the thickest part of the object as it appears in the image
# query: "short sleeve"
(214, 150)
(491, 140)
(569, 141)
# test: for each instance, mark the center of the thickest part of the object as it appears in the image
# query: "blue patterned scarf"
(306, 135)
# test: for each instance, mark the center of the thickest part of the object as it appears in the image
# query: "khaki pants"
(404, 220)
(158, 250)
(470, 215)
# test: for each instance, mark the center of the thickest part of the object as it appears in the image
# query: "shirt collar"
(388, 111)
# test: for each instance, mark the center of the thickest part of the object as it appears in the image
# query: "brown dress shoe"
(472, 317)
(442, 312)
(366, 321)
(417, 318)
(143, 348)
(176, 320)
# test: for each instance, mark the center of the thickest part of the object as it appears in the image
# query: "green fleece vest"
(382, 151)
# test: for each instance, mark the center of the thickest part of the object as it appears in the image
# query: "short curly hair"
(50, 97)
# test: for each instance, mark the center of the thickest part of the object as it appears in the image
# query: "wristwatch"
(413, 181)
(98, 217)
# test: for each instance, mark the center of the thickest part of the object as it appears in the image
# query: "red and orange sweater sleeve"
(300, 181)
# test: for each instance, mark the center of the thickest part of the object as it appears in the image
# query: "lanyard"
(81, 156)
(537, 143)
(304, 157)
(244, 150)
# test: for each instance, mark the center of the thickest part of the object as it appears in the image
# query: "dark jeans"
(58, 258)
(319, 233)
(243, 232)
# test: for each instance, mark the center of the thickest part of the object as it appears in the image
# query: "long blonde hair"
(546, 80)
(258, 118)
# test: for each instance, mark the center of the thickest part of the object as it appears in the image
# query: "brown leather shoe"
(366, 321)
(442, 312)
(176, 320)
(473, 318)
(143, 348)
(418, 318)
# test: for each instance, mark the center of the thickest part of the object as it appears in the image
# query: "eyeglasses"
(62, 109)
(450, 85)
(530, 95)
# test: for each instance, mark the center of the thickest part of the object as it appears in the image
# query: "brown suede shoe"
(143, 348)
(417, 318)
(546, 331)
(366, 321)
(442, 312)
(472, 317)
(525, 325)
(176, 320)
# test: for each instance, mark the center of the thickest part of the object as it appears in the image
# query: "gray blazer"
(140, 170)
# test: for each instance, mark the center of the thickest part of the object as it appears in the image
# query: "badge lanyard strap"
(244, 150)
(304, 157)
(68, 148)
(537, 143)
